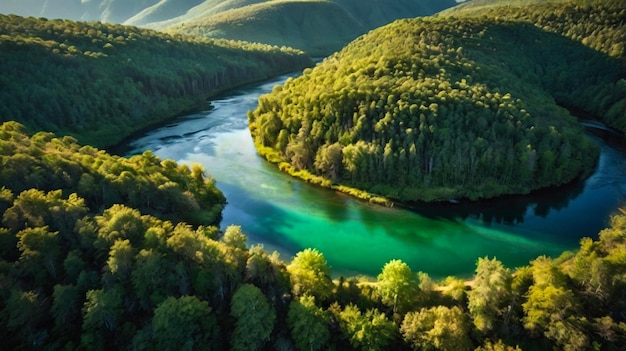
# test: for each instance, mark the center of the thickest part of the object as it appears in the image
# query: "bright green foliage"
(490, 295)
(437, 328)
(499, 346)
(40, 253)
(254, 318)
(455, 288)
(233, 236)
(310, 274)
(137, 77)
(596, 23)
(76, 274)
(434, 109)
(308, 324)
(121, 259)
(551, 307)
(366, 331)
(184, 323)
(397, 285)
(94, 179)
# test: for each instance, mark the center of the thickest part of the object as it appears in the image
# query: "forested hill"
(318, 27)
(598, 24)
(442, 108)
(78, 271)
(101, 82)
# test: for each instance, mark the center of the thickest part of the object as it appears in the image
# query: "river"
(287, 215)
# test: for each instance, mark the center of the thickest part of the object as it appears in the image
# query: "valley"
(421, 185)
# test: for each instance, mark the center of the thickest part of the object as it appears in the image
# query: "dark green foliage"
(436, 109)
(254, 318)
(101, 82)
(185, 323)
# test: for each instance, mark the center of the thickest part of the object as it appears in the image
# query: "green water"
(288, 215)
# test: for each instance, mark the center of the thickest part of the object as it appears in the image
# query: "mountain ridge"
(329, 24)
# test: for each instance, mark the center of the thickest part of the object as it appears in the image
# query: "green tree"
(65, 306)
(267, 272)
(21, 315)
(397, 285)
(254, 318)
(310, 274)
(153, 279)
(308, 324)
(367, 331)
(102, 314)
(233, 236)
(498, 346)
(40, 253)
(121, 259)
(184, 323)
(490, 294)
(437, 328)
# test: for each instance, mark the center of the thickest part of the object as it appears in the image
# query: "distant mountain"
(115, 11)
(319, 27)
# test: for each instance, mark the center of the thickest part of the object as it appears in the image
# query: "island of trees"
(443, 108)
(80, 270)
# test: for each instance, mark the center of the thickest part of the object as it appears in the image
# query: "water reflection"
(510, 210)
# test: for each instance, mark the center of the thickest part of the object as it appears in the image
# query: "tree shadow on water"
(510, 209)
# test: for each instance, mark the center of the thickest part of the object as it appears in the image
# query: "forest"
(318, 27)
(133, 83)
(439, 108)
(104, 252)
(87, 262)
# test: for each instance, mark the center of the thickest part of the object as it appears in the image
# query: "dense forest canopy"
(101, 82)
(442, 108)
(78, 272)
(598, 24)
(104, 252)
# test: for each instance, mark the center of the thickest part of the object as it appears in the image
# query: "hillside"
(78, 270)
(436, 109)
(598, 24)
(319, 27)
(102, 82)
(316, 27)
